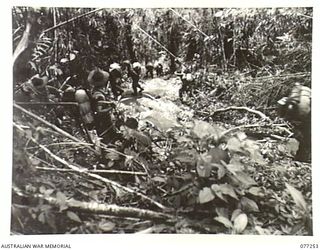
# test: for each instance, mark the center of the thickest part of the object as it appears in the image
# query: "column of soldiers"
(95, 103)
(95, 96)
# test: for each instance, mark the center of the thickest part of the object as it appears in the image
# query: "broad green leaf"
(51, 220)
(186, 156)
(227, 189)
(106, 226)
(219, 14)
(235, 160)
(235, 214)
(28, 134)
(128, 160)
(141, 138)
(205, 195)
(220, 196)
(73, 216)
(262, 231)
(222, 212)
(297, 197)
(234, 145)
(282, 149)
(93, 194)
(45, 207)
(249, 205)
(241, 136)
(48, 192)
(42, 218)
(221, 171)
(161, 120)
(203, 129)
(225, 221)
(240, 223)
(61, 199)
(253, 149)
(64, 60)
(42, 189)
(256, 191)
(233, 180)
(112, 156)
(204, 171)
(292, 146)
(159, 179)
(245, 180)
(110, 164)
(257, 157)
(217, 191)
(75, 203)
(119, 192)
(35, 162)
(182, 139)
(234, 168)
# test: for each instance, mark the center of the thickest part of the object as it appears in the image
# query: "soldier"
(296, 108)
(94, 108)
(187, 82)
(36, 89)
(149, 68)
(72, 72)
(134, 72)
(159, 69)
(126, 65)
(115, 79)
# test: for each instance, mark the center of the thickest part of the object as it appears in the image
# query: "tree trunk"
(173, 47)
(23, 51)
(128, 37)
(55, 43)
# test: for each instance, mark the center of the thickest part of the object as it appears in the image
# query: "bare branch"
(71, 137)
(71, 20)
(263, 116)
(84, 170)
(93, 171)
(254, 126)
(94, 207)
(48, 103)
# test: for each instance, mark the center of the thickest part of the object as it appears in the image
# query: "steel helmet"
(98, 78)
(115, 66)
(136, 65)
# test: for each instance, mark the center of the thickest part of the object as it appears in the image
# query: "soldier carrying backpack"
(296, 108)
(134, 72)
(187, 82)
(95, 110)
(149, 68)
(115, 79)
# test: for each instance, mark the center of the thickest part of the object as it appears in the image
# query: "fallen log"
(98, 208)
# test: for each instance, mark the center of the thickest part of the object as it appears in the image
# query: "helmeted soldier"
(296, 108)
(187, 80)
(149, 68)
(36, 89)
(115, 79)
(135, 75)
(94, 107)
(134, 72)
(159, 69)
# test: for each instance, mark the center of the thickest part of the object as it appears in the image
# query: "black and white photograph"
(189, 120)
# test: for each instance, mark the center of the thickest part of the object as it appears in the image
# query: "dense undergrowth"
(219, 160)
(173, 159)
